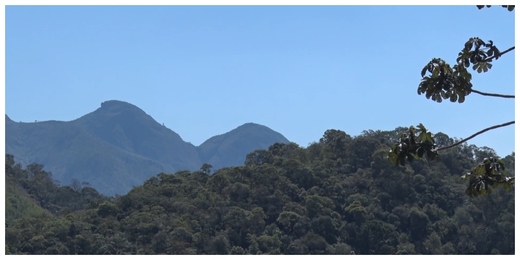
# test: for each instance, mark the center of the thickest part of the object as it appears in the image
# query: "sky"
(300, 70)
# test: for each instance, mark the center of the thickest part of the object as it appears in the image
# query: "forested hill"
(119, 146)
(337, 196)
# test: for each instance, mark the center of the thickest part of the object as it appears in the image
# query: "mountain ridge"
(118, 145)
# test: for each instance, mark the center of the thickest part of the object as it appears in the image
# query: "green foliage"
(18, 203)
(300, 201)
(258, 157)
(33, 192)
(445, 82)
(206, 168)
(414, 144)
(454, 83)
(487, 175)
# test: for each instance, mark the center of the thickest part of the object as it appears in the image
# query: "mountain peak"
(119, 110)
(255, 128)
(117, 105)
(251, 124)
(114, 103)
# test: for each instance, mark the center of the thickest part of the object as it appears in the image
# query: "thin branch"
(477, 133)
(500, 55)
(492, 94)
(506, 51)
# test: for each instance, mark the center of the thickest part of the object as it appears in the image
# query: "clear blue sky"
(203, 71)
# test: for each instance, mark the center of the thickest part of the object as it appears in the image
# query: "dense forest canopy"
(339, 195)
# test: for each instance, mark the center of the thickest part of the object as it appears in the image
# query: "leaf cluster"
(444, 82)
(478, 53)
(413, 144)
(487, 175)
(454, 83)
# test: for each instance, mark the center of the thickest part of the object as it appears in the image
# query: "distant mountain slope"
(70, 151)
(230, 148)
(131, 129)
(118, 146)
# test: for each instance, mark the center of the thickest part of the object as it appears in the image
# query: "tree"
(258, 157)
(206, 168)
(440, 81)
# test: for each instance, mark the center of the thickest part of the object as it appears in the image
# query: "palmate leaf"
(435, 72)
(461, 98)
(509, 7)
(482, 66)
(422, 128)
(425, 135)
(473, 42)
(423, 71)
(468, 45)
(453, 98)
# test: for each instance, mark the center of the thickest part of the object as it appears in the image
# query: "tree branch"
(475, 134)
(492, 94)
(506, 51)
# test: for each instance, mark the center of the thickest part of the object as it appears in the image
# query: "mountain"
(230, 148)
(127, 127)
(118, 146)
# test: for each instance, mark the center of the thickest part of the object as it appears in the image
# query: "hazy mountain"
(119, 146)
(230, 148)
(129, 128)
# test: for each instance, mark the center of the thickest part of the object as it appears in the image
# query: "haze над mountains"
(118, 146)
